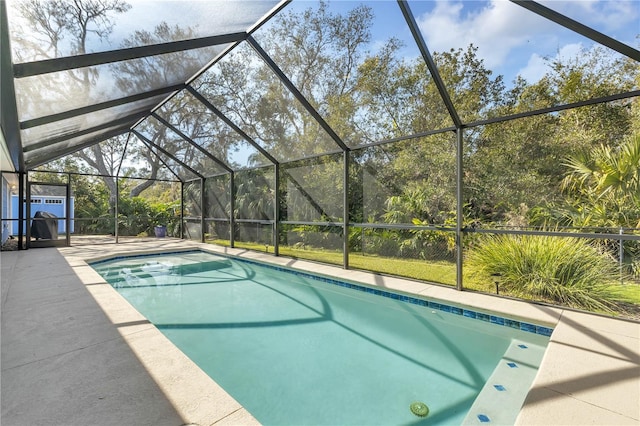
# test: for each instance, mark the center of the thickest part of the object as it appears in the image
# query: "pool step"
(501, 398)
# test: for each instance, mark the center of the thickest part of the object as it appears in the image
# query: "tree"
(319, 52)
(518, 165)
(603, 186)
(69, 27)
(427, 165)
(254, 195)
(183, 110)
(65, 28)
(590, 74)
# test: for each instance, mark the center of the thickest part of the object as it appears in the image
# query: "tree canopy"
(367, 95)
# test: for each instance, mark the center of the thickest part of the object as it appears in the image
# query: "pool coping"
(589, 374)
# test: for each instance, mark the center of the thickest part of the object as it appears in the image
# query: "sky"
(199, 14)
(513, 40)
(510, 39)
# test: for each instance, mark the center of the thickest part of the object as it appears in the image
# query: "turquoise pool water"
(296, 350)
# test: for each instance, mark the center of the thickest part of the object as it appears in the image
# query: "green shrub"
(566, 271)
(167, 214)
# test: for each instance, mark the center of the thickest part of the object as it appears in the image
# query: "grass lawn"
(629, 293)
(436, 271)
(441, 272)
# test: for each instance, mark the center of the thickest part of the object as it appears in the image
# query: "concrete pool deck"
(76, 353)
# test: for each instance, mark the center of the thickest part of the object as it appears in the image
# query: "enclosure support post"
(345, 211)
(202, 207)
(182, 209)
(21, 205)
(67, 212)
(276, 210)
(27, 201)
(621, 256)
(115, 210)
(459, 211)
(232, 207)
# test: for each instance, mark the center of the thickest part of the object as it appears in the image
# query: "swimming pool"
(297, 349)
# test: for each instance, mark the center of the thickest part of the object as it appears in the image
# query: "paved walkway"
(75, 353)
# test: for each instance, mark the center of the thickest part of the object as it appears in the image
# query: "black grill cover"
(45, 227)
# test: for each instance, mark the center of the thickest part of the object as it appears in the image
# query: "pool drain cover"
(420, 409)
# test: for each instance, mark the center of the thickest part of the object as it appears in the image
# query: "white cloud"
(496, 28)
(535, 68)
(511, 39)
(205, 17)
(538, 65)
(616, 18)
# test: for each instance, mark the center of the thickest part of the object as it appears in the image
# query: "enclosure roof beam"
(204, 69)
(124, 154)
(409, 137)
(70, 150)
(579, 28)
(311, 160)
(9, 111)
(230, 123)
(192, 142)
(46, 66)
(27, 124)
(426, 56)
(317, 207)
(121, 122)
(594, 101)
(273, 12)
(296, 93)
(159, 158)
(167, 153)
(100, 175)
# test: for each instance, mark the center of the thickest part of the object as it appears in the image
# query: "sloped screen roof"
(212, 86)
(69, 96)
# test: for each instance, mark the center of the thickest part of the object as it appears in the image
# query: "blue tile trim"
(469, 314)
(494, 319)
(512, 324)
(497, 320)
(531, 328)
(483, 317)
(545, 331)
